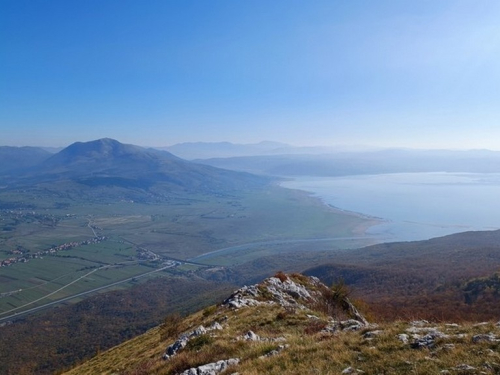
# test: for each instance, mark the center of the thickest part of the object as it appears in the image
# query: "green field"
(214, 230)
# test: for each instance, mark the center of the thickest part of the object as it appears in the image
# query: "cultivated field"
(59, 247)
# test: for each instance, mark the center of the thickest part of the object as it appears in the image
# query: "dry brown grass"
(309, 350)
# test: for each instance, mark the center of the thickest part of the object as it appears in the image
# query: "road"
(34, 309)
(254, 245)
(91, 227)
(193, 260)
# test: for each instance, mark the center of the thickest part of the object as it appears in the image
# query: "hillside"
(110, 169)
(205, 150)
(430, 279)
(15, 158)
(344, 163)
(296, 325)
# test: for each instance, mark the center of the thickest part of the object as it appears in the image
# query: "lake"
(414, 206)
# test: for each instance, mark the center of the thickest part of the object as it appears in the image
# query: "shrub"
(314, 326)
(199, 342)
(171, 326)
(280, 275)
(209, 311)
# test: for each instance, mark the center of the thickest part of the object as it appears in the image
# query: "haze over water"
(415, 206)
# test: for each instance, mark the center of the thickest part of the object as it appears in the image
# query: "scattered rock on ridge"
(315, 336)
(251, 336)
(464, 367)
(243, 297)
(286, 293)
(183, 339)
(344, 325)
(289, 294)
(484, 337)
(212, 368)
(404, 338)
(351, 370)
(274, 352)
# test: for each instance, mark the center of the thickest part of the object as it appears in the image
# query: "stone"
(404, 338)
(351, 325)
(416, 329)
(372, 334)
(351, 370)
(274, 352)
(484, 337)
(183, 339)
(419, 323)
(198, 331)
(480, 324)
(176, 346)
(428, 341)
(243, 297)
(216, 327)
(286, 293)
(251, 336)
(212, 368)
(464, 367)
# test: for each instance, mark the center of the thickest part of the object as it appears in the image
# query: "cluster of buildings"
(24, 256)
(145, 254)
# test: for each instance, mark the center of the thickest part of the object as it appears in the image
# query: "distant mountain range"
(208, 150)
(280, 159)
(15, 158)
(99, 160)
(107, 163)
(364, 162)
(205, 150)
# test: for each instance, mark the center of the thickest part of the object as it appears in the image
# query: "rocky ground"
(296, 325)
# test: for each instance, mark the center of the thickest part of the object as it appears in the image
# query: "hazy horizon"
(333, 147)
(386, 74)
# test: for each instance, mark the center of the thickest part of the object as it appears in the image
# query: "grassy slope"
(309, 352)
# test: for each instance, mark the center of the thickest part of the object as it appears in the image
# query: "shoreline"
(361, 229)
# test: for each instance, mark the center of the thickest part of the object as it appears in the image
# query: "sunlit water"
(415, 206)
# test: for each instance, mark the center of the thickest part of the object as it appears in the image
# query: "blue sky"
(423, 74)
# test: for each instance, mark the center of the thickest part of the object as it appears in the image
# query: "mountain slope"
(420, 278)
(363, 162)
(15, 158)
(296, 325)
(107, 163)
(204, 150)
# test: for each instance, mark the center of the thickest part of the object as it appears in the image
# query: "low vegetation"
(49, 342)
(300, 339)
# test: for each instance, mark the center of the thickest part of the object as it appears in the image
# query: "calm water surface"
(414, 206)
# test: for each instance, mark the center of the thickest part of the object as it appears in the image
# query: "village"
(24, 255)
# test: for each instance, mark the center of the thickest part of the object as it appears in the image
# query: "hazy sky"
(420, 73)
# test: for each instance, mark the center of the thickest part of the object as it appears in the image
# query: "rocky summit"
(293, 324)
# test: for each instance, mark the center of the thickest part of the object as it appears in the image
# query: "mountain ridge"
(295, 324)
(107, 163)
(15, 158)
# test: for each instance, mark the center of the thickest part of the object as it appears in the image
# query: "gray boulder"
(212, 368)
